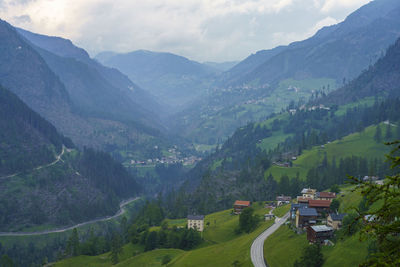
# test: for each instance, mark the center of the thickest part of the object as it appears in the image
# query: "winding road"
(257, 248)
(60, 230)
(58, 158)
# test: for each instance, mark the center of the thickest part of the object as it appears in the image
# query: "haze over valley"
(194, 134)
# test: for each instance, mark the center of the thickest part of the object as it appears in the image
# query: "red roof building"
(303, 199)
(320, 205)
(325, 195)
(239, 205)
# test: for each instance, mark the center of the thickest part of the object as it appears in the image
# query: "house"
(283, 200)
(319, 233)
(370, 178)
(303, 199)
(305, 217)
(308, 193)
(294, 207)
(320, 205)
(196, 222)
(335, 220)
(325, 195)
(239, 205)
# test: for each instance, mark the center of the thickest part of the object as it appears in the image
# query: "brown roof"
(319, 203)
(326, 194)
(303, 199)
(242, 203)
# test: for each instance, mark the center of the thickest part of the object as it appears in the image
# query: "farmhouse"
(303, 199)
(319, 233)
(325, 195)
(308, 193)
(283, 200)
(335, 220)
(239, 205)
(305, 217)
(294, 207)
(319, 205)
(196, 222)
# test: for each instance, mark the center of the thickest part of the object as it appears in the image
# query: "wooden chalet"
(319, 233)
(239, 205)
(305, 217)
(320, 205)
(325, 195)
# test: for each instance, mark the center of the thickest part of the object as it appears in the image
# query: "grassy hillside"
(349, 252)
(357, 144)
(285, 242)
(222, 246)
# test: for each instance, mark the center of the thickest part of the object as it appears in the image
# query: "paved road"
(60, 230)
(257, 248)
(58, 158)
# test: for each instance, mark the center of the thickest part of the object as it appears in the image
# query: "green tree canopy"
(382, 224)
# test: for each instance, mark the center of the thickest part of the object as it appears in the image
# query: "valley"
(119, 155)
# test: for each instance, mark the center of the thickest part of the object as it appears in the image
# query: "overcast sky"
(202, 30)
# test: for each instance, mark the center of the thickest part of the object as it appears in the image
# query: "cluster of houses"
(312, 213)
(303, 107)
(173, 158)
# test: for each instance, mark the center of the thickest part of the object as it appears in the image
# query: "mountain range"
(173, 79)
(269, 80)
(93, 105)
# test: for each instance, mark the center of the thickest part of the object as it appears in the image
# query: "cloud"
(199, 29)
(24, 19)
(332, 5)
(328, 21)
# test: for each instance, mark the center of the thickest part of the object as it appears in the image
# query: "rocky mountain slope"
(37, 188)
(174, 79)
(77, 110)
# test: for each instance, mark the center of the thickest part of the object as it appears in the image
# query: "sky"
(202, 30)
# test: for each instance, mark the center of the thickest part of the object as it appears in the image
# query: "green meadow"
(221, 247)
(357, 144)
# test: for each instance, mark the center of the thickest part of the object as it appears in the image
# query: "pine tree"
(116, 248)
(73, 246)
(311, 257)
(388, 135)
(385, 227)
(378, 134)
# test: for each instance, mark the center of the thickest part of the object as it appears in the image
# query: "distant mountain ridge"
(174, 79)
(380, 80)
(106, 89)
(339, 51)
(99, 107)
(270, 80)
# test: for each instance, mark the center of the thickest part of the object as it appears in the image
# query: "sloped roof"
(321, 228)
(337, 217)
(319, 203)
(326, 194)
(303, 199)
(242, 203)
(195, 217)
(308, 212)
(296, 206)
